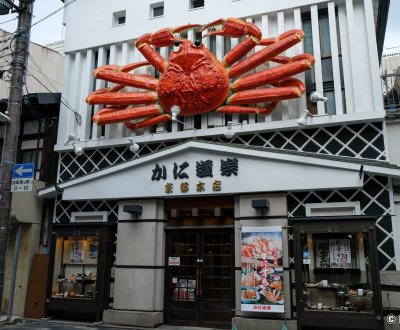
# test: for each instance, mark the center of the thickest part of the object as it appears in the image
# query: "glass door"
(200, 277)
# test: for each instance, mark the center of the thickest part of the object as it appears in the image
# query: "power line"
(54, 12)
(10, 20)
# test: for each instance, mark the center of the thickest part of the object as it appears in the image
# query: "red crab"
(195, 81)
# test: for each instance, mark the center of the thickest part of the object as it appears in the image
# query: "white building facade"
(144, 238)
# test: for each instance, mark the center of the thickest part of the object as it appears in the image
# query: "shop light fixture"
(133, 146)
(175, 111)
(72, 139)
(229, 132)
(314, 97)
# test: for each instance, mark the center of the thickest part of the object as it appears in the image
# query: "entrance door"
(200, 277)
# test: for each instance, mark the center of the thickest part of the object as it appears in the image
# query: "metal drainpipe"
(14, 271)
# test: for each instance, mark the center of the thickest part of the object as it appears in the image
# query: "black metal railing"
(391, 90)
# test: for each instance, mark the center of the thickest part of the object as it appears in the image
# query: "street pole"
(10, 143)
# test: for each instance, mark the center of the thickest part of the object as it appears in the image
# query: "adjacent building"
(30, 215)
(213, 219)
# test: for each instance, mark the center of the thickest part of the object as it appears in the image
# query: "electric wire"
(77, 116)
(54, 12)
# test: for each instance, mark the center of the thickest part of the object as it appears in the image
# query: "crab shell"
(194, 80)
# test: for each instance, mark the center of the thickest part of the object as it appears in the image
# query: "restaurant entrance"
(200, 277)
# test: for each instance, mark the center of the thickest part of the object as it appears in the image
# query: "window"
(157, 9)
(75, 267)
(119, 18)
(196, 4)
(33, 156)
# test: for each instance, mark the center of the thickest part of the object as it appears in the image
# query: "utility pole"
(10, 143)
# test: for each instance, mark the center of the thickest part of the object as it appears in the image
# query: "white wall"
(87, 35)
(44, 64)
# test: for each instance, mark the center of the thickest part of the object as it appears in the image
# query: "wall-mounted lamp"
(258, 204)
(133, 209)
(317, 97)
(302, 121)
(175, 111)
(134, 147)
(229, 132)
(72, 139)
(314, 97)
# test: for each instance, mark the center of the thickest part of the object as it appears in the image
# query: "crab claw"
(164, 37)
(232, 27)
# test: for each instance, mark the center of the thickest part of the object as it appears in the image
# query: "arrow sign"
(23, 171)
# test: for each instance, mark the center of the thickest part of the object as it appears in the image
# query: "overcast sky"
(52, 30)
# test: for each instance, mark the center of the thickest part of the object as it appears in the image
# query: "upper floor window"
(196, 4)
(119, 18)
(157, 9)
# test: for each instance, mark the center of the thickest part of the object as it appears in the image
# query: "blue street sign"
(23, 171)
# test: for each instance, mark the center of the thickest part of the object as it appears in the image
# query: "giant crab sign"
(194, 81)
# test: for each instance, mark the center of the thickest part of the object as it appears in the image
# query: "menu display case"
(75, 267)
(337, 277)
(79, 278)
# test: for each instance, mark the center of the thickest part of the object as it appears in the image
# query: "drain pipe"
(14, 271)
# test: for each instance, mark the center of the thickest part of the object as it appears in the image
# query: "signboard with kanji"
(262, 270)
(22, 177)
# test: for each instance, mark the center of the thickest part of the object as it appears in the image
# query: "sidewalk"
(50, 321)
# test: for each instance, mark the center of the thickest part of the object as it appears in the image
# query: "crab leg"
(149, 122)
(122, 98)
(120, 75)
(237, 109)
(236, 28)
(161, 38)
(288, 89)
(285, 41)
(111, 115)
(300, 64)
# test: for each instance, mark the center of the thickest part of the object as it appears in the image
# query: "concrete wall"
(29, 245)
(276, 215)
(44, 64)
(139, 274)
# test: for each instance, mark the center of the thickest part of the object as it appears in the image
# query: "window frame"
(155, 6)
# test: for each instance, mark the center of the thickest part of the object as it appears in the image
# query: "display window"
(336, 272)
(75, 267)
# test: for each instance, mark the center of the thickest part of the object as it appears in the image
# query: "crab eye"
(177, 45)
(197, 43)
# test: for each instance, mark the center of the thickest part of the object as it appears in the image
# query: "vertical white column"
(234, 43)
(284, 105)
(101, 60)
(66, 116)
(189, 120)
(352, 51)
(317, 54)
(373, 56)
(346, 63)
(265, 35)
(74, 99)
(86, 89)
(121, 128)
(299, 49)
(219, 118)
(111, 129)
(335, 58)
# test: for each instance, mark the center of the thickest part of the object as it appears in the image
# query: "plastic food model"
(193, 81)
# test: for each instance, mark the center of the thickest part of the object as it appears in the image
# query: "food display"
(323, 296)
(262, 271)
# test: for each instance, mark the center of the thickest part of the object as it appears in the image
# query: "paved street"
(67, 325)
